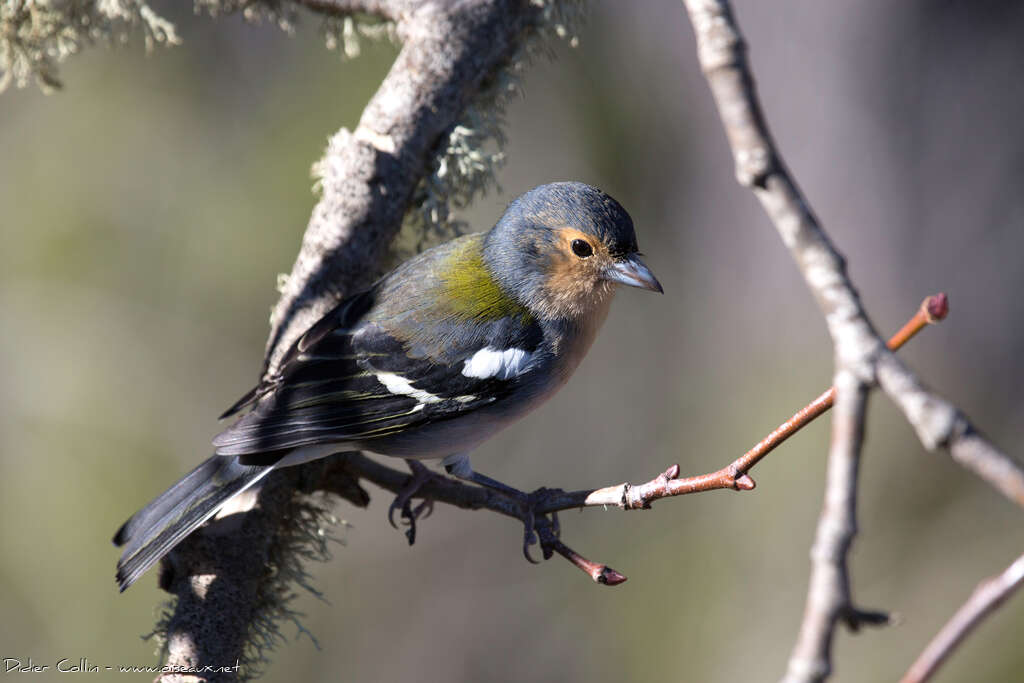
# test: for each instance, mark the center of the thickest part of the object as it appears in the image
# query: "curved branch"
(368, 176)
(449, 51)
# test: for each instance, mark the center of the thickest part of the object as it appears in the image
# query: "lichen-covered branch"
(35, 36)
(229, 590)
(451, 54)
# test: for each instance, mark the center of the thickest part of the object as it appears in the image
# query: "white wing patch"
(490, 362)
(397, 384)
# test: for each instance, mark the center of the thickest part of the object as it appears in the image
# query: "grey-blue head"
(559, 248)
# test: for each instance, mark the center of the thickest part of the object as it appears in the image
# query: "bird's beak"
(633, 272)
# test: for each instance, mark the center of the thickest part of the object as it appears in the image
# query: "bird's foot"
(403, 501)
(540, 528)
(545, 527)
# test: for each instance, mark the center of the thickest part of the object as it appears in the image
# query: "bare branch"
(759, 166)
(858, 348)
(940, 424)
(828, 592)
(345, 468)
(989, 595)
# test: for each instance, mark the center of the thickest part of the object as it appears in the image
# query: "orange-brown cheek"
(569, 278)
(575, 287)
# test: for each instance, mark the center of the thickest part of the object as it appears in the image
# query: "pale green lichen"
(280, 13)
(346, 32)
(303, 537)
(36, 35)
(338, 31)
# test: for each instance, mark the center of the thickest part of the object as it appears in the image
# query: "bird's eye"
(582, 248)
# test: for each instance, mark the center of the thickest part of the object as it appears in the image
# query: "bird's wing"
(361, 382)
(345, 315)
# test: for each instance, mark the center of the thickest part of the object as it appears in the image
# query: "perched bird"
(433, 359)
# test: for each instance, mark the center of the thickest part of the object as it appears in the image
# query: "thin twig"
(989, 595)
(351, 467)
(345, 468)
(735, 475)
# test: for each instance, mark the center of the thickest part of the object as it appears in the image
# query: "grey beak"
(633, 272)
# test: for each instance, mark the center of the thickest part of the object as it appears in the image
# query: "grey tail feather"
(154, 530)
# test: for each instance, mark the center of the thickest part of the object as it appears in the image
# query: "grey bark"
(220, 576)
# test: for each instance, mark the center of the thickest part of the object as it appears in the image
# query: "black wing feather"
(329, 390)
(343, 316)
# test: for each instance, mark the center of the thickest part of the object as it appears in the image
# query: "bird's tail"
(154, 530)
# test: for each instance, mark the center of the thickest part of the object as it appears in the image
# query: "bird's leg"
(459, 466)
(403, 501)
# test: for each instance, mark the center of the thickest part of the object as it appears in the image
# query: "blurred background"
(146, 210)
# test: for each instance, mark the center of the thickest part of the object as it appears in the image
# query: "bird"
(427, 363)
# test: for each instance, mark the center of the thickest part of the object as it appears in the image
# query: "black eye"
(582, 248)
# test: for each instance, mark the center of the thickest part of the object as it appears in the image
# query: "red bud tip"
(936, 307)
(745, 483)
(610, 577)
(672, 472)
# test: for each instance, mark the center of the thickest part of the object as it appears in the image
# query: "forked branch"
(722, 53)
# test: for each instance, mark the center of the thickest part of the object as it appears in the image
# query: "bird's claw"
(403, 501)
(549, 530)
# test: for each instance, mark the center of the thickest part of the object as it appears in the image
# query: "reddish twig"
(600, 573)
(342, 473)
(626, 496)
(932, 310)
(990, 594)
(734, 476)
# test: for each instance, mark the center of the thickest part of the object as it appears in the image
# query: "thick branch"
(368, 178)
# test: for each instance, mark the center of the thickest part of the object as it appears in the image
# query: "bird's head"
(560, 249)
